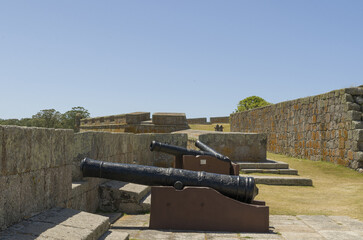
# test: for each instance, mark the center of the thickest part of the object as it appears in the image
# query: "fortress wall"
(197, 120)
(39, 168)
(219, 120)
(325, 127)
(35, 171)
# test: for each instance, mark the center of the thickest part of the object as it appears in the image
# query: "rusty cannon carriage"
(191, 200)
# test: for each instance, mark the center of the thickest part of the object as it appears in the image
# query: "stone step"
(269, 164)
(59, 223)
(114, 235)
(146, 202)
(116, 196)
(289, 171)
(283, 181)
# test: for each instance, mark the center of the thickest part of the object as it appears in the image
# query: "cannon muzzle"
(240, 188)
(206, 148)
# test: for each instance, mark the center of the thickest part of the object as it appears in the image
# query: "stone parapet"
(214, 120)
(137, 117)
(197, 120)
(323, 127)
(169, 119)
(240, 147)
(39, 167)
(35, 171)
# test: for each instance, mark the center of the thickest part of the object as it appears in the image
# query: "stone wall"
(240, 147)
(137, 122)
(325, 127)
(39, 167)
(219, 120)
(197, 120)
(35, 171)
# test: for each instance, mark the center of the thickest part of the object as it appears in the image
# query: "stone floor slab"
(188, 236)
(281, 227)
(340, 235)
(114, 235)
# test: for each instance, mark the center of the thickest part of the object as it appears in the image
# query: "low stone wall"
(214, 120)
(137, 122)
(197, 120)
(35, 171)
(325, 127)
(240, 147)
(115, 119)
(39, 168)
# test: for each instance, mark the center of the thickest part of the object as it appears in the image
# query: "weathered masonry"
(39, 167)
(325, 127)
(137, 122)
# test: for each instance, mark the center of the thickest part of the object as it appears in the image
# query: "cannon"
(178, 152)
(237, 187)
(206, 148)
(233, 168)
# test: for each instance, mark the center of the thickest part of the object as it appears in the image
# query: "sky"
(199, 57)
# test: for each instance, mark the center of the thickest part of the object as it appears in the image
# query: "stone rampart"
(197, 120)
(240, 147)
(39, 168)
(214, 120)
(137, 122)
(35, 171)
(325, 127)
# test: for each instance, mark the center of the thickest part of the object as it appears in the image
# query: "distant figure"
(218, 128)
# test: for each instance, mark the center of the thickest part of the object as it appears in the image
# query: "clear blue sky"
(197, 57)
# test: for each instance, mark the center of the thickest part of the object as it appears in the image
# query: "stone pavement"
(281, 227)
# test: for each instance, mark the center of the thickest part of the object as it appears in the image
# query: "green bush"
(251, 103)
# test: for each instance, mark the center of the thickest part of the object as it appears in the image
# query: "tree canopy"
(50, 118)
(251, 103)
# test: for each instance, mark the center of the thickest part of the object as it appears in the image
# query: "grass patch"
(210, 127)
(337, 190)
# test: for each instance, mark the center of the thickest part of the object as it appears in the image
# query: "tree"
(49, 118)
(251, 103)
(69, 118)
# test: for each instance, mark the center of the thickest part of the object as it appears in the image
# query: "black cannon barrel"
(177, 151)
(240, 188)
(206, 148)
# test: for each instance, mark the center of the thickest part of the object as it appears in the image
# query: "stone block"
(114, 235)
(348, 98)
(353, 106)
(69, 146)
(354, 91)
(59, 151)
(137, 117)
(247, 147)
(32, 193)
(357, 125)
(16, 150)
(354, 115)
(219, 119)
(359, 100)
(197, 120)
(169, 119)
(10, 186)
(41, 148)
(358, 135)
(358, 156)
(58, 186)
(96, 224)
